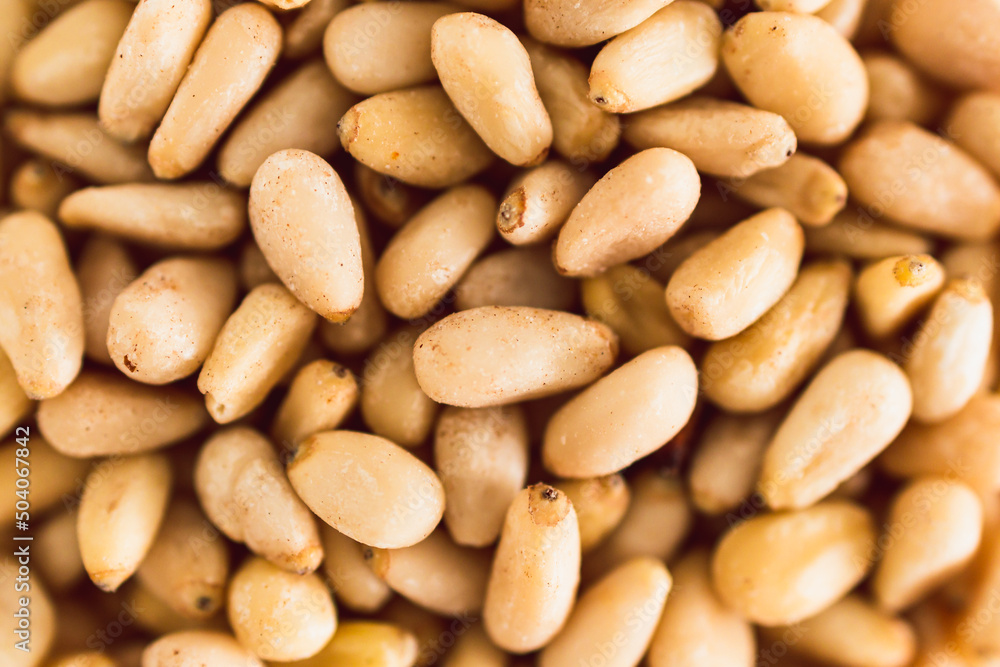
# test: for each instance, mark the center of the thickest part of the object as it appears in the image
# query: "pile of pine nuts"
(495, 333)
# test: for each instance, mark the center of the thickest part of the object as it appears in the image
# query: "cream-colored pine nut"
(919, 180)
(163, 325)
(322, 394)
(66, 63)
(497, 355)
(368, 488)
(679, 50)
(581, 131)
(799, 66)
(436, 574)
(366, 643)
(304, 223)
(853, 408)
(696, 627)
(258, 344)
(795, 6)
(536, 571)
(623, 417)
(43, 626)
(805, 186)
(762, 365)
(149, 63)
(37, 185)
(540, 200)
(844, 15)
(188, 565)
(14, 403)
(898, 92)
(347, 571)
(515, 277)
(727, 460)
(481, 456)
(238, 51)
(431, 252)
(415, 135)
(649, 196)
(474, 649)
(890, 293)
(304, 35)
(297, 114)
(41, 310)
(856, 235)
(62, 477)
(181, 649)
(219, 462)
(278, 615)
(974, 124)
(933, 530)
(77, 141)
(586, 22)
(104, 414)
(487, 74)
(722, 138)
(727, 285)
(122, 506)
(378, 47)
(392, 403)
(770, 578)
(392, 202)
(190, 216)
(600, 504)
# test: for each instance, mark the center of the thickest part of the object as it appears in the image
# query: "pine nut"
(322, 394)
(540, 201)
(891, 292)
(182, 649)
(600, 504)
(392, 403)
(345, 567)
(807, 187)
(576, 23)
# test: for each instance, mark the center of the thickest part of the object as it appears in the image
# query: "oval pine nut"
(891, 292)
(14, 403)
(322, 394)
(104, 268)
(392, 403)
(575, 23)
(805, 186)
(181, 649)
(347, 571)
(540, 200)
(383, 496)
(898, 92)
(487, 74)
(853, 408)
(532, 353)
(600, 504)
(536, 571)
(38, 185)
(972, 124)
(60, 481)
(855, 234)
(515, 277)
(366, 643)
(304, 35)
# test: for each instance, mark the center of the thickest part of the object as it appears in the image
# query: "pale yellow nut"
(727, 285)
(844, 15)
(62, 478)
(796, 6)
(257, 345)
(539, 201)
(104, 268)
(368, 488)
(379, 47)
(389, 200)
(66, 63)
(856, 234)
(193, 647)
(696, 627)
(649, 196)
(722, 138)
(805, 186)
(799, 66)
(148, 64)
(497, 355)
(38, 186)
(416, 135)
(41, 310)
(122, 506)
(265, 603)
(678, 47)
(43, 626)
(536, 571)
(600, 504)
(190, 216)
(515, 277)
(474, 649)
(921, 181)
(973, 123)
(365, 643)
(933, 529)
(304, 35)
(392, 403)
(297, 113)
(586, 22)
(14, 403)
(322, 394)
(353, 582)
(889, 293)
(762, 365)
(481, 456)
(303, 221)
(238, 51)
(103, 414)
(898, 92)
(771, 578)
(431, 252)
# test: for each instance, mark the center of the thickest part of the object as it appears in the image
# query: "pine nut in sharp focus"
(540, 200)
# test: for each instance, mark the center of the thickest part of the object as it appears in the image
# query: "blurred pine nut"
(582, 23)
(347, 571)
(392, 403)
(322, 394)
(600, 504)
(807, 187)
(888, 294)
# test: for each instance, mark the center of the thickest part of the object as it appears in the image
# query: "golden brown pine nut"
(726, 286)
(304, 223)
(183, 649)
(37, 186)
(414, 135)
(322, 394)
(368, 488)
(392, 403)
(536, 570)
(973, 125)
(891, 292)
(391, 202)
(552, 351)
(515, 277)
(238, 51)
(762, 365)
(474, 649)
(481, 455)
(63, 475)
(121, 509)
(600, 504)
(190, 216)
(152, 57)
(14, 403)
(898, 92)
(853, 408)
(162, 326)
(680, 51)
(650, 195)
(856, 235)
(721, 137)
(347, 571)
(777, 60)
(304, 35)
(431, 252)
(42, 310)
(241, 369)
(573, 23)
(807, 187)
(366, 643)
(540, 200)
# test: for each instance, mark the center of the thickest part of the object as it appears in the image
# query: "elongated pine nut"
(794, 6)
(322, 394)
(515, 277)
(365, 643)
(898, 92)
(392, 403)
(13, 17)
(304, 35)
(972, 124)
(63, 474)
(600, 504)
(390, 201)
(855, 234)
(104, 268)
(347, 571)
(14, 403)
(805, 186)
(890, 293)
(576, 23)
(540, 200)
(181, 649)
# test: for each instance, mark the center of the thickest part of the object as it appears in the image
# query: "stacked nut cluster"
(485, 333)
